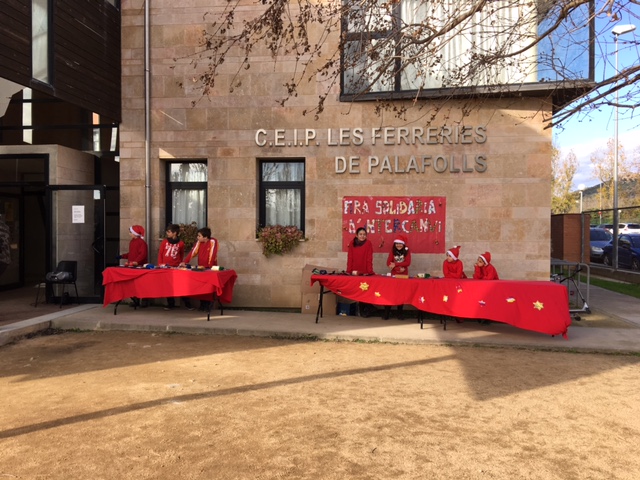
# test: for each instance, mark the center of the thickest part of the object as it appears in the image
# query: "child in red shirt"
(206, 248)
(398, 261)
(169, 255)
(483, 270)
(452, 267)
(137, 254)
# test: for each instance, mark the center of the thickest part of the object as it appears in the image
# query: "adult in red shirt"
(360, 254)
(483, 270)
(452, 267)
(360, 262)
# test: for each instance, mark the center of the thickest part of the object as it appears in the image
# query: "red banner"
(421, 219)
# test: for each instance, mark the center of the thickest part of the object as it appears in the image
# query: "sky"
(586, 134)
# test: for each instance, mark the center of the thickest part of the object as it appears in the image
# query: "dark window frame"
(263, 186)
(171, 186)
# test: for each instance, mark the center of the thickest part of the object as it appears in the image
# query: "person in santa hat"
(137, 254)
(483, 270)
(398, 261)
(453, 267)
(399, 257)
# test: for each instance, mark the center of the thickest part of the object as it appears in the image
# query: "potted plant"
(188, 234)
(279, 239)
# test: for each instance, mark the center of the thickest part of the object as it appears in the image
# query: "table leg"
(319, 312)
(115, 309)
(214, 297)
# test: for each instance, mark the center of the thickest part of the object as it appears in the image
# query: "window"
(282, 193)
(187, 192)
(40, 40)
(385, 53)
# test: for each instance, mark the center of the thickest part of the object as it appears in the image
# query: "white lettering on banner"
(382, 137)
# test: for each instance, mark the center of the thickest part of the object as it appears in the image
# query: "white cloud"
(630, 140)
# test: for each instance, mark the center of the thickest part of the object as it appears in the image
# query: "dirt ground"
(115, 405)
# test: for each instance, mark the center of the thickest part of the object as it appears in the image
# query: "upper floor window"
(417, 45)
(282, 191)
(40, 40)
(187, 193)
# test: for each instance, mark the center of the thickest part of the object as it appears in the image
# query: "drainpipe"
(147, 122)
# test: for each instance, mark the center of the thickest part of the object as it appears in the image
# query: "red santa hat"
(486, 257)
(401, 239)
(454, 252)
(137, 230)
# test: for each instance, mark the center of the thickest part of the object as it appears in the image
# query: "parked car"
(630, 228)
(628, 252)
(599, 238)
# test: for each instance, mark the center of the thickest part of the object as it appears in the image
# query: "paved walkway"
(295, 325)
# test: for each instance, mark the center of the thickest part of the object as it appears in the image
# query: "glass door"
(76, 226)
(9, 240)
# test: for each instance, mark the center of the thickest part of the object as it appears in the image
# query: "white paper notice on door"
(77, 213)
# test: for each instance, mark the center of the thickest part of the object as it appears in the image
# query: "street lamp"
(617, 31)
(581, 187)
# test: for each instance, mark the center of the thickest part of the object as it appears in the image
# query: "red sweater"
(170, 253)
(360, 258)
(488, 272)
(207, 253)
(400, 261)
(453, 269)
(137, 251)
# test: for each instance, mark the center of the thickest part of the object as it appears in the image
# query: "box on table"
(310, 303)
(307, 271)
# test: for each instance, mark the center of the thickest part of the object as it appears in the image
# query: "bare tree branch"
(385, 50)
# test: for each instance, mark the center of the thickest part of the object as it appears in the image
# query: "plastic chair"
(68, 266)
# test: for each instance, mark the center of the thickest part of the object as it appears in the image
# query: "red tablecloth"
(124, 282)
(530, 305)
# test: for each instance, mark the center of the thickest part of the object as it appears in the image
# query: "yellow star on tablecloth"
(378, 294)
(538, 305)
(364, 286)
(445, 298)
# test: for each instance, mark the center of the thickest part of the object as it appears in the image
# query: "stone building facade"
(493, 168)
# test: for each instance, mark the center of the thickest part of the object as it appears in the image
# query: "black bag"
(58, 277)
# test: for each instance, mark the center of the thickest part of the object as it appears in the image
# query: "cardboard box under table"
(310, 295)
